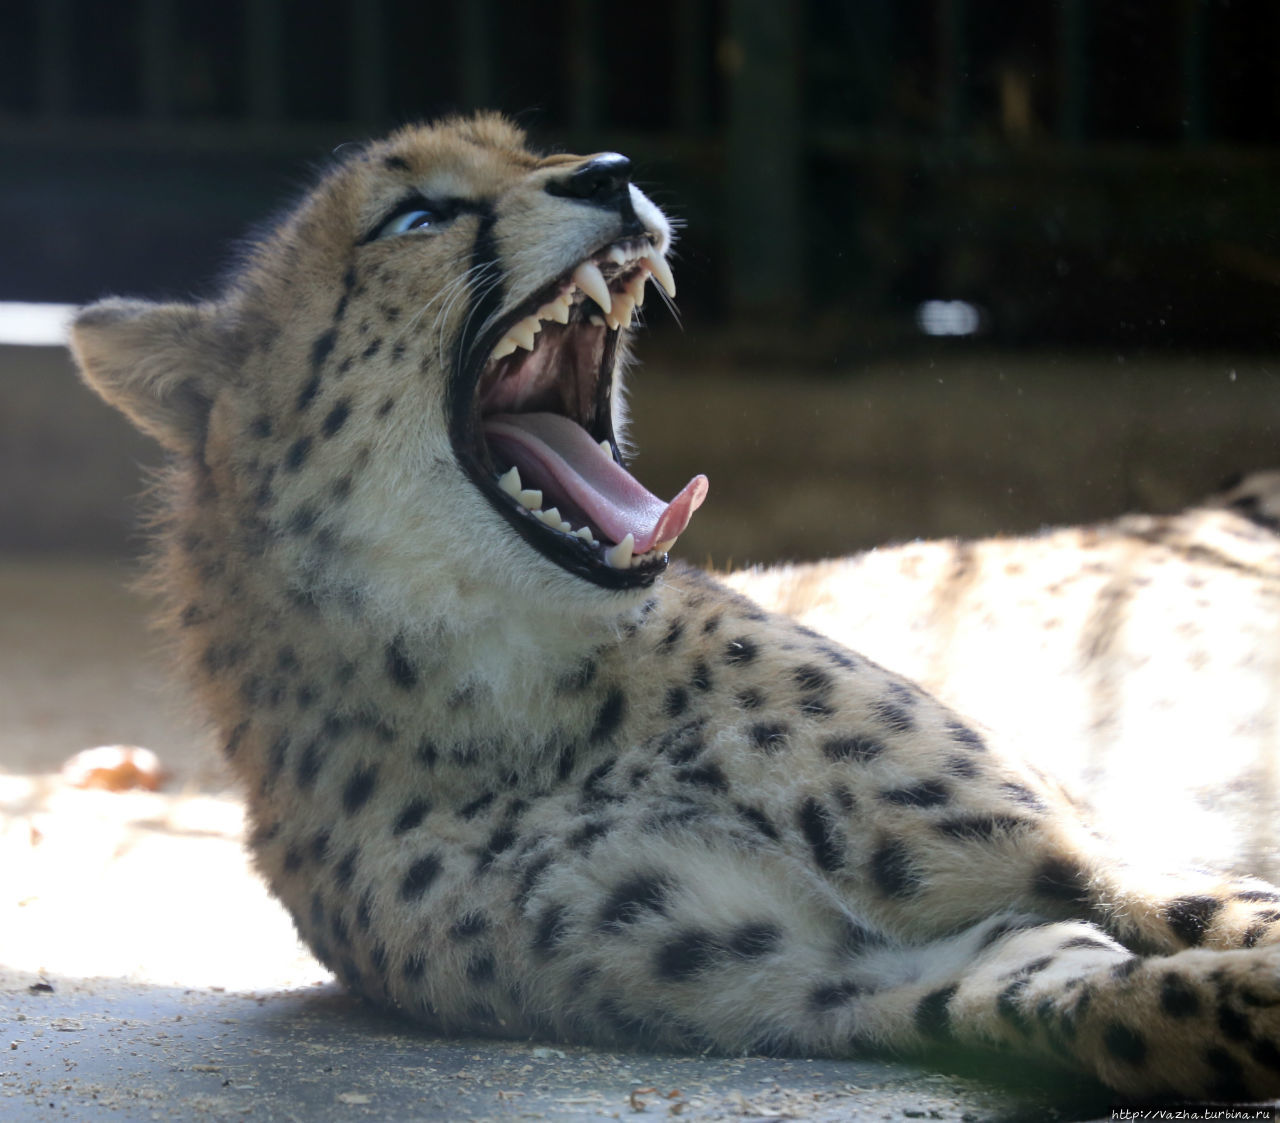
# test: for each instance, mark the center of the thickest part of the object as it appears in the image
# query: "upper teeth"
(618, 307)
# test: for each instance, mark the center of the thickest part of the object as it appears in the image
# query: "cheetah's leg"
(1198, 1024)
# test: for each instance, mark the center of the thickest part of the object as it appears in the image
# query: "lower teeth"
(619, 556)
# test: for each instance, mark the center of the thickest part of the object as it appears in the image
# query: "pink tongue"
(546, 446)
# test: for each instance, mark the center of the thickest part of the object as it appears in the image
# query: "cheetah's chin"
(539, 442)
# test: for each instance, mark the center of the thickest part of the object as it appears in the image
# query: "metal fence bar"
(762, 176)
(264, 95)
(54, 45)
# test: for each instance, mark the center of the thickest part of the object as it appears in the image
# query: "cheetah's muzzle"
(540, 443)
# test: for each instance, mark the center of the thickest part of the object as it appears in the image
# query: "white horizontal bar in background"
(34, 325)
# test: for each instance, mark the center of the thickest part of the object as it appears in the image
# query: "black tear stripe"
(488, 290)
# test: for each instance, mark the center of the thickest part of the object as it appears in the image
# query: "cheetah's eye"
(405, 221)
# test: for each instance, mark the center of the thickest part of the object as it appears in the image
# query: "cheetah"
(511, 769)
(1092, 651)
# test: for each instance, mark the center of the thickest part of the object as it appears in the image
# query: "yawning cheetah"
(513, 772)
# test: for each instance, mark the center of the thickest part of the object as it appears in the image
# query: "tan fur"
(510, 797)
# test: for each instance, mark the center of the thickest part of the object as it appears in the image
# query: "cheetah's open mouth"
(538, 440)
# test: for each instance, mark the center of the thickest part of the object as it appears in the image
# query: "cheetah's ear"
(159, 364)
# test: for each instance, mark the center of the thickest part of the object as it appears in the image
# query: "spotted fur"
(507, 795)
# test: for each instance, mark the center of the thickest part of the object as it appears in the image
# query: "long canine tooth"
(530, 499)
(505, 346)
(619, 556)
(635, 287)
(623, 306)
(591, 281)
(661, 271)
(524, 331)
(606, 448)
(510, 482)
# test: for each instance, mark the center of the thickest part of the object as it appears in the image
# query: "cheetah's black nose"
(600, 180)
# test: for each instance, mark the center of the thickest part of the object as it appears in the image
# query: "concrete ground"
(145, 973)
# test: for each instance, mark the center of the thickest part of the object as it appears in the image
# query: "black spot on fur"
(309, 391)
(1087, 942)
(477, 805)
(1228, 1083)
(610, 716)
(739, 651)
(419, 877)
(823, 836)
(676, 702)
(585, 835)
(966, 737)
(500, 841)
(550, 929)
(336, 418)
(320, 846)
(345, 871)
(1023, 795)
(411, 816)
(1061, 879)
(750, 699)
(321, 349)
(1008, 1008)
(700, 678)
(758, 820)
(631, 899)
(292, 859)
(693, 951)
(468, 927)
(979, 828)
(309, 764)
(1233, 1024)
(962, 767)
(1256, 895)
(481, 969)
(400, 667)
(260, 427)
(374, 347)
(893, 871)
(933, 1015)
(769, 736)
(359, 788)
(894, 716)
(1125, 1043)
(297, 455)
(750, 941)
(857, 748)
(1190, 918)
(812, 679)
(1177, 998)
(674, 632)
(927, 793)
(705, 775)
(395, 163)
(830, 995)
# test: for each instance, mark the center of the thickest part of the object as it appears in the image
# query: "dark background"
(1099, 178)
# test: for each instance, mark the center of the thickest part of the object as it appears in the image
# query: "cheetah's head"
(418, 372)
